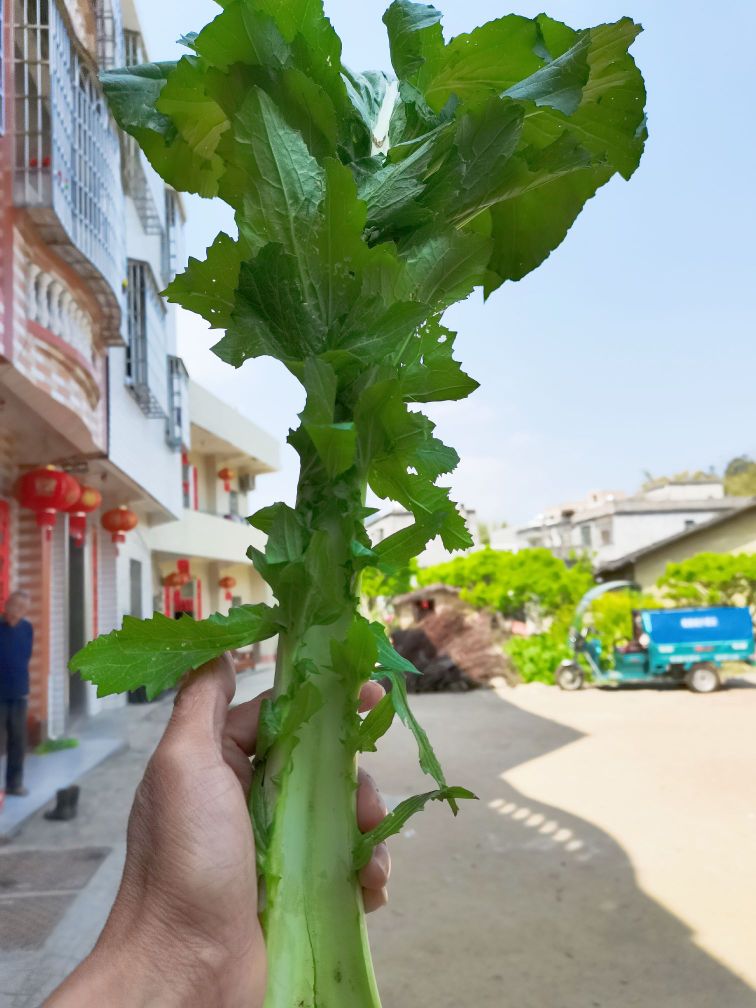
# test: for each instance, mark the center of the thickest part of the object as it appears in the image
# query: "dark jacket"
(16, 644)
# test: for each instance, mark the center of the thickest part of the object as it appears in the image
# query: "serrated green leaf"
(485, 62)
(272, 179)
(208, 286)
(375, 725)
(135, 95)
(336, 444)
(393, 667)
(287, 536)
(559, 84)
(443, 268)
(415, 37)
(157, 652)
(430, 373)
(355, 658)
(395, 821)
(243, 35)
(389, 658)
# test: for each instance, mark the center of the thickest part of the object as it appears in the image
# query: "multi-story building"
(90, 379)
(610, 524)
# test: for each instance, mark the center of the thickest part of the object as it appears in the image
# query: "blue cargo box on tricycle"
(687, 646)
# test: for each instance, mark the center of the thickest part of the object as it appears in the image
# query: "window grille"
(134, 52)
(146, 360)
(67, 149)
(110, 34)
(170, 236)
(177, 426)
(136, 186)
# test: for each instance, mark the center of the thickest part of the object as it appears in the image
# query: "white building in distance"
(607, 524)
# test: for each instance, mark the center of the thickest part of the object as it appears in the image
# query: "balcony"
(67, 156)
(219, 430)
(205, 537)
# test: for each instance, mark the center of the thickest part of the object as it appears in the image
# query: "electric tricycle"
(687, 646)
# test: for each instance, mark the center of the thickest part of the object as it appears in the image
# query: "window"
(605, 534)
(233, 503)
(171, 234)
(689, 523)
(586, 537)
(146, 360)
(67, 150)
(133, 48)
(177, 425)
(110, 34)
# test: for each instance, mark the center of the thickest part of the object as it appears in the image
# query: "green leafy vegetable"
(156, 653)
(395, 820)
(365, 207)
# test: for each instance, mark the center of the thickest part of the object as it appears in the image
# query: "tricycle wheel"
(703, 678)
(570, 677)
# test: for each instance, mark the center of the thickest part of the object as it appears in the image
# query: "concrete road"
(610, 862)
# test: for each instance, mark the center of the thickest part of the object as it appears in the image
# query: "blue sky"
(632, 348)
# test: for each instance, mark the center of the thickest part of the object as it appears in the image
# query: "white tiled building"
(609, 524)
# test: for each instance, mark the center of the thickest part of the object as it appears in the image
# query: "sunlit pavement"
(609, 861)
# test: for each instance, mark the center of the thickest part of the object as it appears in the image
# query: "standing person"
(16, 641)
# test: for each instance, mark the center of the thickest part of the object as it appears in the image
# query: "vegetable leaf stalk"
(366, 205)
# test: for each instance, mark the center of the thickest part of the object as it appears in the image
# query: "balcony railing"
(50, 303)
(68, 154)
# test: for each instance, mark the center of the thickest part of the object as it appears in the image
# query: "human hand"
(184, 928)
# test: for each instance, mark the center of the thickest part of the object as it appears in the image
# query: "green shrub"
(537, 658)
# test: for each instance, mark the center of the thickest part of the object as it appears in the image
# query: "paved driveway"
(610, 861)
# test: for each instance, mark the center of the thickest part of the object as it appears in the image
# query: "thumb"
(201, 705)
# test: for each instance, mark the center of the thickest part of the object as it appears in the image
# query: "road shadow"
(519, 904)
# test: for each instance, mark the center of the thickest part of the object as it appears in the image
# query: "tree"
(610, 616)
(512, 583)
(711, 579)
(365, 206)
(740, 477)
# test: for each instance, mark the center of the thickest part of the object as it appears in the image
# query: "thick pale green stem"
(313, 917)
(313, 913)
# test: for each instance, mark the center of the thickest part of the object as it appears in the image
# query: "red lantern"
(47, 491)
(227, 583)
(89, 500)
(177, 579)
(118, 522)
(226, 475)
(170, 580)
